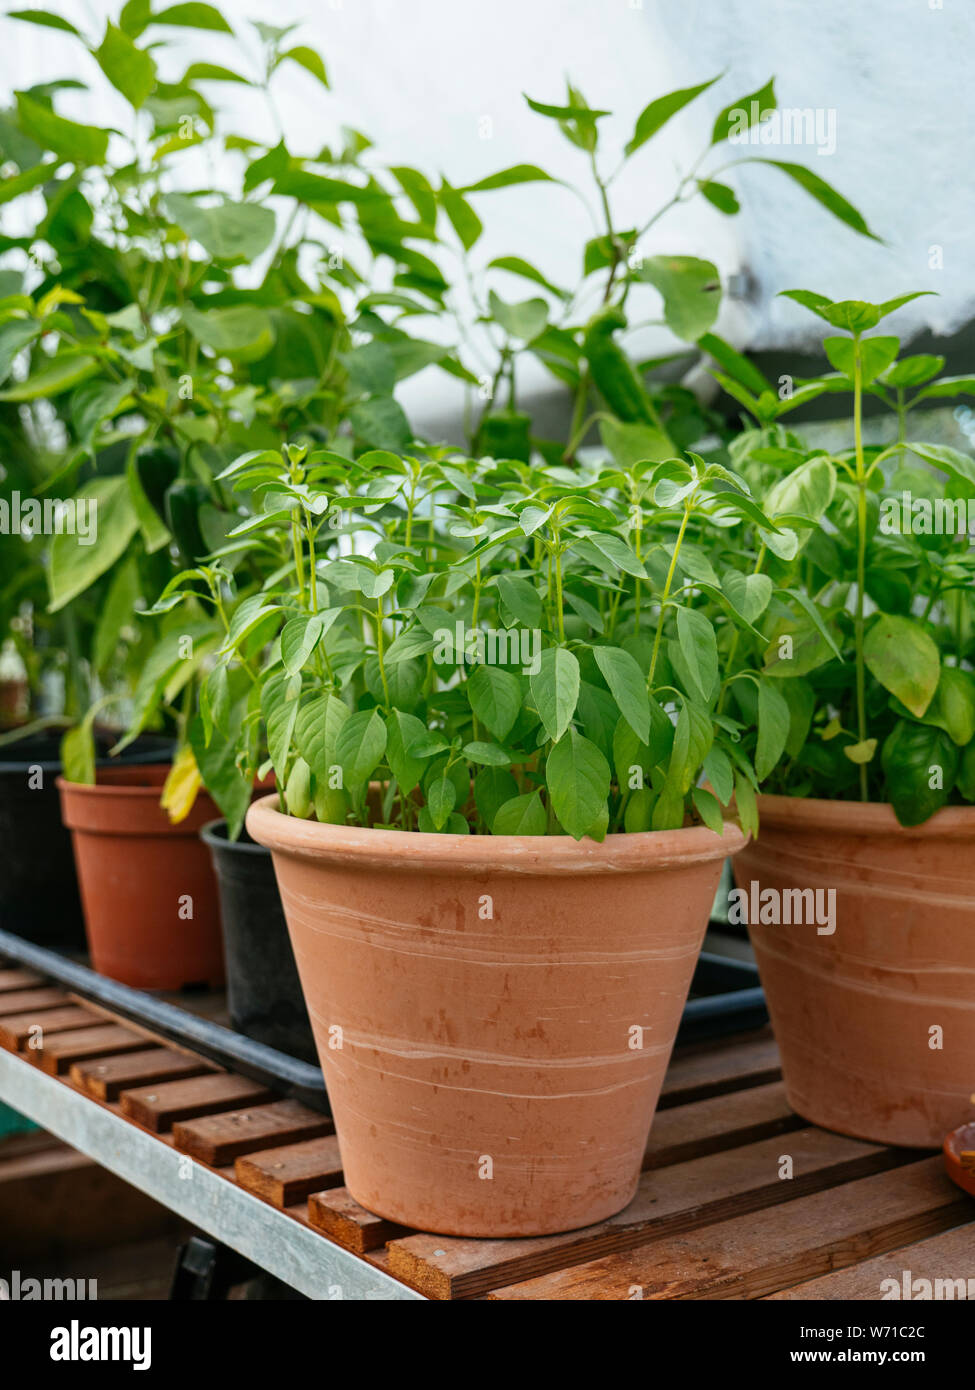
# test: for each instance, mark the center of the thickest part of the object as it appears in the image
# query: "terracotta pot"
(140, 876)
(478, 1004)
(853, 1011)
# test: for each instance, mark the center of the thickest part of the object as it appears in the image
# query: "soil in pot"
(148, 887)
(263, 990)
(494, 1015)
(875, 1019)
(39, 897)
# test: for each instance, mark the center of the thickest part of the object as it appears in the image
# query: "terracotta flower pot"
(147, 887)
(857, 1012)
(494, 1015)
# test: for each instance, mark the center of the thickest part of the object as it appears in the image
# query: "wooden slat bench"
(739, 1198)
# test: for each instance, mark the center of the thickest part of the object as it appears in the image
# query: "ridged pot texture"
(494, 1015)
(876, 1019)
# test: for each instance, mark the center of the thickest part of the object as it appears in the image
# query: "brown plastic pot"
(854, 1011)
(140, 877)
(493, 1014)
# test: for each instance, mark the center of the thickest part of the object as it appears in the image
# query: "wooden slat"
(219, 1139)
(107, 1077)
(715, 1068)
(15, 1031)
(18, 979)
(59, 1051)
(284, 1176)
(950, 1255)
(755, 1255)
(337, 1214)
(159, 1107)
(678, 1198)
(721, 1122)
(18, 1001)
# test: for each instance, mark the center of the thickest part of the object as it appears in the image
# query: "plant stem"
(663, 600)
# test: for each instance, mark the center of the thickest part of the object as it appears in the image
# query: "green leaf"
(876, 355)
(699, 648)
(748, 594)
(515, 265)
(155, 532)
(360, 746)
(578, 780)
(381, 423)
(403, 730)
(656, 115)
(280, 715)
(308, 59)
(58, 374)
(49, 21)
(950, 461)
(745, 112)
(953, 706)
(555, 690)
(441, 797)
(691, 291)
(774, 721)
(299, 638)
(74, 563)
(316, 731)
(628, 686)
(461, 215)
(720, 773)
(83, 145)
(495, 697)
(720, 196)
(522, 815)
(78, 754)
(505, 178)
(223, 779)
(823, 192)
(130, 70)
(524, 320)
(709, 809)
(904, 659)
(521, 598)
(228, 232)
(15, 335)
(242, 331)
(193, 16)
(913, 757)
(747, 804)
(487, 754)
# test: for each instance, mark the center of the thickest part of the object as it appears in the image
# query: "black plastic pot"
(39, 897)
(263, 990)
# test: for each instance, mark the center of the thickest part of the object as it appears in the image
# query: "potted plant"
(865, 703)
(487, 705)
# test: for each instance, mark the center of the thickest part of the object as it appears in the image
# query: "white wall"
(419, 76)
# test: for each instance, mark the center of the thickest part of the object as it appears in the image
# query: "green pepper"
(505, 435)
(612, 372)
(184, 498)
(157, 466)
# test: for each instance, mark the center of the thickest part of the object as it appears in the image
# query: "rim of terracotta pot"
(862, 818)
(421, 852)
(135, 781)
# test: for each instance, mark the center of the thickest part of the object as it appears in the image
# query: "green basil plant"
(860, 686)
(500, 647)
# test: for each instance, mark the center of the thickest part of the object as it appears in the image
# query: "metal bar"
(223, 1045)
(261, 1233)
